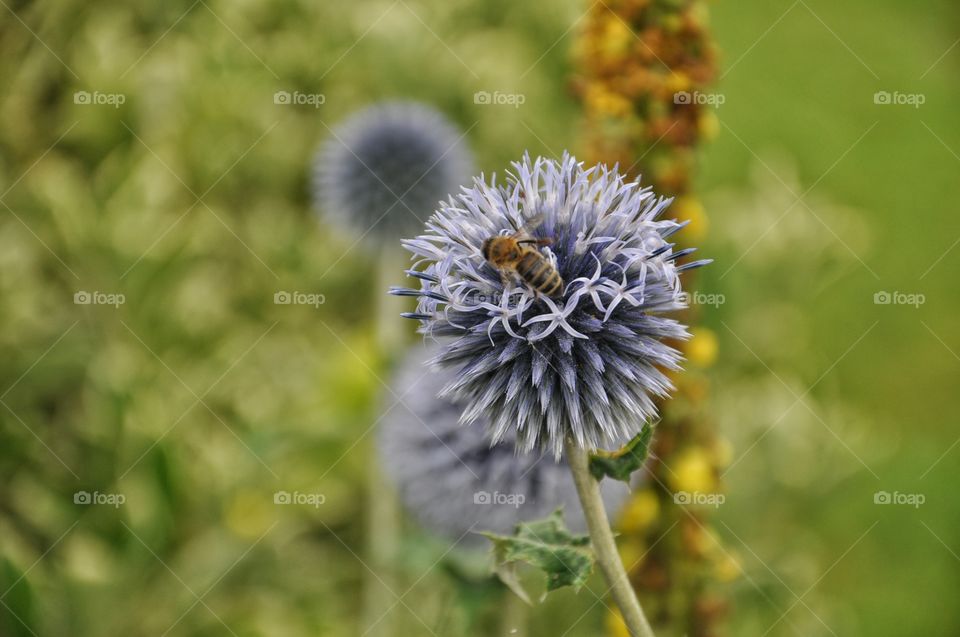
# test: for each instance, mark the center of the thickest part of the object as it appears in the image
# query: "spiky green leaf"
(621, 464)
(566, 559)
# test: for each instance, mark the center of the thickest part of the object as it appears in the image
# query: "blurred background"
(154, 398)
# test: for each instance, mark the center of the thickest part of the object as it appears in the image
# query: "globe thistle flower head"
(382, 172)
(450, 477)
(587, 363)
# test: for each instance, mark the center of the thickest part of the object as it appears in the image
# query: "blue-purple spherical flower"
(589, 362)
(450, 477)
(382, 172)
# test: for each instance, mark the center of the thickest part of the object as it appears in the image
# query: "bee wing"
(529, 225)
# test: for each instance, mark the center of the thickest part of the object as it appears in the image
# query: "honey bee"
(518, 254)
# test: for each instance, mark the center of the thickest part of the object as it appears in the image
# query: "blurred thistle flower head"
(587, 363)
(450, 477)
(384, 170)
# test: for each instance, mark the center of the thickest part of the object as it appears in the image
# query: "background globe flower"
(449, 476)
(588, 363)
(385, 168)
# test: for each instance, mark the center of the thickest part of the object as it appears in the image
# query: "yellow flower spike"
(615, 625)
(693, 472)
(702, 348)
(640, 512)
(689, 208)
(674, 52)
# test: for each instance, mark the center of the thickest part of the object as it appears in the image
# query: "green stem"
(604, 548)
(383, 510)
(513, 618)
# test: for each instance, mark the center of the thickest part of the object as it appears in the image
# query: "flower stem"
(601, 537)
(382, 507)
(513, 618)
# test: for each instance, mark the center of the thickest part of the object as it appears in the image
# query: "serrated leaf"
(566, 559)
(621, 464)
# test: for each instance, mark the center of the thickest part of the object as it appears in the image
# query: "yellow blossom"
(642, 509)
(693, 471)
(603, 101)
(615, 41)
(677, 81)
(702, 349)
(689, 208)
(708, 124)
(727, 569)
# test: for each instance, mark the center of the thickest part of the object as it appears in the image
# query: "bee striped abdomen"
(537, 272)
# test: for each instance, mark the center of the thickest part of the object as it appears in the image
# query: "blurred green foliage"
(198, 398)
